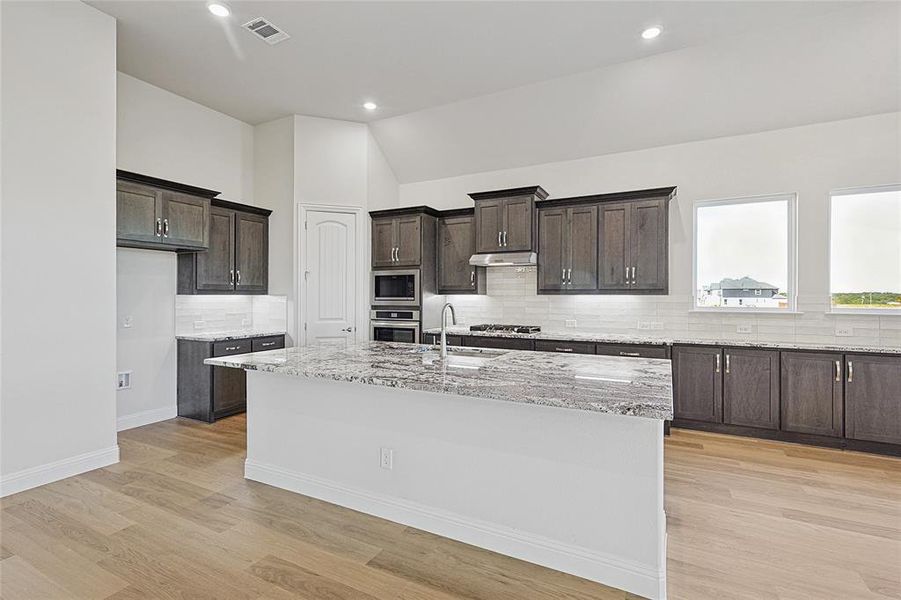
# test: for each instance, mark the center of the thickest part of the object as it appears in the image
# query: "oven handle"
(398, 324)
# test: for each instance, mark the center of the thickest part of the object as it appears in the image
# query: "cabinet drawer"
(499, 342)
(633, 350)
(229, 347)
(273, 342)
(572, 347)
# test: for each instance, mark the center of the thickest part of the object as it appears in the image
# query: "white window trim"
(792, 292)
(885, 312)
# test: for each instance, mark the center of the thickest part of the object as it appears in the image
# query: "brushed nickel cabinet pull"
(159, 227)
(230, 348)
(165, 227)
(630, 353)
(231, 277)
(505, 239)
(569, 276)
(717, 363)
(634, 270)
(472, 278)
(850, 371)
(238, 275)
(498, 239)
(728, 364)
(265, 344)
(838, 370)
(563, 349)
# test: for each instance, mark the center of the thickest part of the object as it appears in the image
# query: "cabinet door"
(409, 241)
(480, 341)
(229, 391)
(698, 383)
(138, 209)
(613, 246)
(812, 393)
(582, 242)
(251, 252)
(564, 346)
(383, 239)
(551, 248)
(648, 245)
(186, 220)
(517, 224)
(873, 398)
(216, 266)
(456, 243)
(489, 223)
(751, 387)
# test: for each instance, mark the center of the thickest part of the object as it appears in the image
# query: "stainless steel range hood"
(503, 259)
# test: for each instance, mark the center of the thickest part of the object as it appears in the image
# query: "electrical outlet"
(245, 322)
(123, 380)
(657, 325)
(570, 322)
(744, 329)
(386, 458)
(644, 325)
(844, 331)
(127, 321)
(199, 324)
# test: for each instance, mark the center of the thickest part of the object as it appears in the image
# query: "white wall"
(58, 341)
(167, 136)
(311, 160)
(145, 293)
(809, 160)
(843, 64)
(170, 137)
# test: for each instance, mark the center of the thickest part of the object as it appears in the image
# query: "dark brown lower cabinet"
(208, 393)
(698, 383)
(751, 387)
(435, 338)
(873, 398)
(633, 350)
(499, 342)
(565, 346)
(812, 393)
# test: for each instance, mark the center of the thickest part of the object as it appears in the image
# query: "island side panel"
(577, 491)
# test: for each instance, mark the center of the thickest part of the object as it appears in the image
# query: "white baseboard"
(640, 579)
(67, 467)
(146, 417)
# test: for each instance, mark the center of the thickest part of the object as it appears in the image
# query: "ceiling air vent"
(266, 31)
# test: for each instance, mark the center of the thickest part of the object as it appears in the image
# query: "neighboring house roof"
(744, 283)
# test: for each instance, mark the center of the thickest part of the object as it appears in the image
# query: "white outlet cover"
(245, 322)
(571, 323)
(844, 331)
(199, 324)
(386, 458)
(744, 329)
(128, 321)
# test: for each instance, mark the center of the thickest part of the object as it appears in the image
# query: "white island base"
(573, 490)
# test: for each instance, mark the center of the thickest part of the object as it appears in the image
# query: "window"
(744, 254)
(865, 249)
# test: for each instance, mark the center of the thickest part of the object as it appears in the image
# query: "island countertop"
(614, 385)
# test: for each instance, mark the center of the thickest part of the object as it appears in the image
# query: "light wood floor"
(175, 519)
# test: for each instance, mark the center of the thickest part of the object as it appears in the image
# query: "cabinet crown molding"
(534, 190)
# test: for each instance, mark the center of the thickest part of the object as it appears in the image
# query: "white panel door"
(330, 280)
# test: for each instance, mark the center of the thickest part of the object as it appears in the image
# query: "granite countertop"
(622, 386)
(582, 336)
(221, 336)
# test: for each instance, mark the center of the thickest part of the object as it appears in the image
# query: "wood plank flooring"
(747, 519)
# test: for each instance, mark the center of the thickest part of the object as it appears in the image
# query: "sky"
(739, 240)
(866, 242)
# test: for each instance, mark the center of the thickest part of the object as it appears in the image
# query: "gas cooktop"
(498, 327)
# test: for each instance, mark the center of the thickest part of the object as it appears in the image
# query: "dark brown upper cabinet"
(161, 215)
(812, 393)
(567, 249)
(624, 252)
(873, 398)
(403, 237)
(396, 241)
(456, 244)
(504, 219)
(751, 387)
(632, 247)
(238, 257)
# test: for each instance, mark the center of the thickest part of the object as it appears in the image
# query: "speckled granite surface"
(622, 386)
(579, 336)
(221, 336)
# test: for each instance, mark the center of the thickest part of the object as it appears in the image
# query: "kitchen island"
(552, 458)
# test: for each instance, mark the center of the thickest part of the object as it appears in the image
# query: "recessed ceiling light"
(650, 33)
(220, 10)
(370, 105)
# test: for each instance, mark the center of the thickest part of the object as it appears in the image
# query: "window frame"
(791, 199)
(851, 191)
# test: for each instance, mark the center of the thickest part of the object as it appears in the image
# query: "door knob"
(348, 330)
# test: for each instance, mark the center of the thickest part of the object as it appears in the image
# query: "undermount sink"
(463, 358)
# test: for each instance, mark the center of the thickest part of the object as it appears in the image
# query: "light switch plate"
(570, 323)
(123, 380)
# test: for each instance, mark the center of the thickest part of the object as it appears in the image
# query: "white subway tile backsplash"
(512, 298)
(229, 313)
